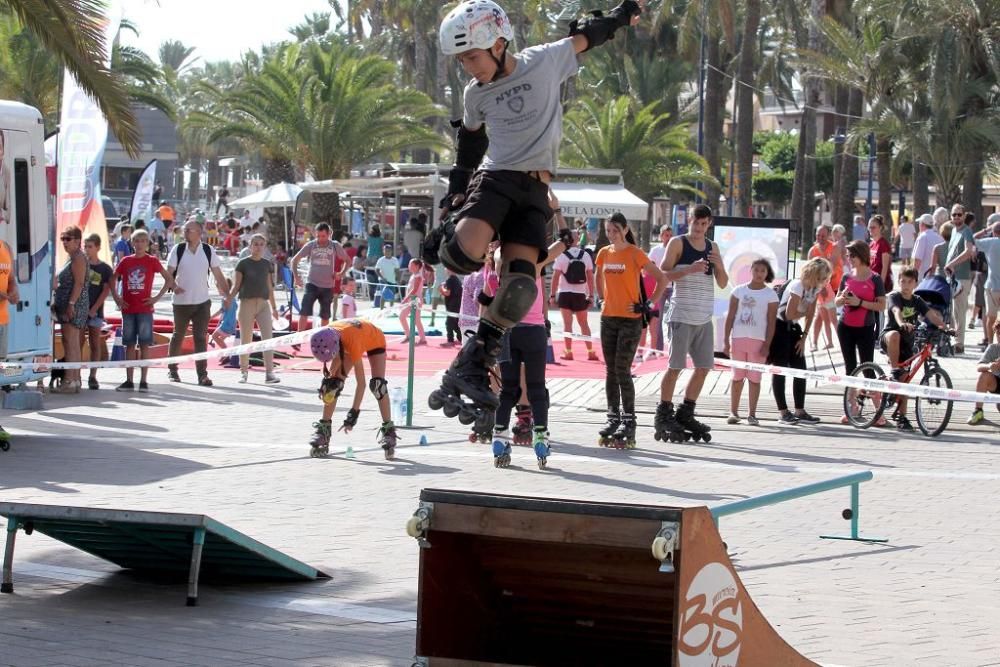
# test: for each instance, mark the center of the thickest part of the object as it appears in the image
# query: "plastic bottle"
(397, 404)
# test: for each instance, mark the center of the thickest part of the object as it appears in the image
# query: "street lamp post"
(871, 173)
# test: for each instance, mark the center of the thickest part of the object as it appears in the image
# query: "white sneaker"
(733, 419)
(753, 421)
(243, 376)
(271, 378)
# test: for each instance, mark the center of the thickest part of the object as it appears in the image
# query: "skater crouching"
(694, 264)
(340, 347)
(624, 314)
(517, 99)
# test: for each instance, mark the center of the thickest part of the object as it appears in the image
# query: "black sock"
(689, 403)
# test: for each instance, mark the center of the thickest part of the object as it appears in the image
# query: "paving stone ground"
(239, 453)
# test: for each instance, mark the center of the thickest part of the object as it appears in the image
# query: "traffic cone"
(423, 440)
(117, 349)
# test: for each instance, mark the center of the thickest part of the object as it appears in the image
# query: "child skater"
(753, 309)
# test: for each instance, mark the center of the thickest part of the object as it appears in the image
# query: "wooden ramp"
(508, 580)
(154, 543)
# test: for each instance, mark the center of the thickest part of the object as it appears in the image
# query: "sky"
(219, 29)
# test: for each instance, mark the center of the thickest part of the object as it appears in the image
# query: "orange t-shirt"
(358, 337)
(831, 254)
(6, 271)
(622, 271)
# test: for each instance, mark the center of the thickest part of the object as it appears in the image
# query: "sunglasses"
(64, 239)
(957, 215)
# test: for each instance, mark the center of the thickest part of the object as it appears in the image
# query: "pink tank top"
(537, 313)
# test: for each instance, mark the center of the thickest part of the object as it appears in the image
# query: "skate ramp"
(508, 580)
(156, 544)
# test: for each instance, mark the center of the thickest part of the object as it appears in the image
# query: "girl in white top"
(414, 288)
(753, 308)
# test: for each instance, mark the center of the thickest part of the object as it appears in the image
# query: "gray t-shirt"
(991, 354)
(523, 111)
(959, 238)
(256, 278)
(321, 262)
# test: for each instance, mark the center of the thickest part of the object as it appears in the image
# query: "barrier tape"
(821, 377)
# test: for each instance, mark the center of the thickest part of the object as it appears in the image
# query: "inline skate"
(501, 448)
(523, 429)
(607, 433)
(320, 442)
(541, 445)
(482, 429)
(624, 435)
(387, 439)
(692, 427)
(469, 376)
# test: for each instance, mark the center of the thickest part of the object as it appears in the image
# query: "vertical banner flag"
(83, 133)
(142, 198)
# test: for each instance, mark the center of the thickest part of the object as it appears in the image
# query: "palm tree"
(73, 31)
(745, 93)
(176, 57)
(651, 151)
(28, 71)
(324, 108)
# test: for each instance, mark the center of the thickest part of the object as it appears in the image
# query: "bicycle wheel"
(863, 407)
(933, 413)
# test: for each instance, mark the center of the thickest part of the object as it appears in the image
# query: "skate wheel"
(435, 401)
(4, 446)
(473, 437)
(414, 527)
(707, 437)
(451, 410)
(660, 548)
(466, 417)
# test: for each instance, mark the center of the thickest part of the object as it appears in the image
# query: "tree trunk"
(849, 168)
(195, 176)
(213, 184)
(840, 102)
(807, 145)
(744, 109)
(972, 186)
(883, 170)
(715, 99)
(921, 187)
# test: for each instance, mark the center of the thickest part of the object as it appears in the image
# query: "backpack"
(207, 249)
(576, 272)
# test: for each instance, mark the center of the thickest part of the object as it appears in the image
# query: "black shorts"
(572, 301)
(515, 204)
(905, 345)
(313, 293)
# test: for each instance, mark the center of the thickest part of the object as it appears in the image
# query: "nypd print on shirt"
(511, 105)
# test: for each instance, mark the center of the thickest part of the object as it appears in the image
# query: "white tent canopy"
(281, 194)
(589, 200)
(376, 184)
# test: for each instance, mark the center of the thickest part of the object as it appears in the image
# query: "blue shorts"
(137, 329)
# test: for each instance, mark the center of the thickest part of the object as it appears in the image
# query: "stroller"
(936, 291)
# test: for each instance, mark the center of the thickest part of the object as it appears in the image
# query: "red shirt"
(877, 249)
(137, 282)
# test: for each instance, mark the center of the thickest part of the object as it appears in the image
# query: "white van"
(27, 227)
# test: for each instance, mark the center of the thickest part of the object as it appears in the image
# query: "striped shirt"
(693, 300)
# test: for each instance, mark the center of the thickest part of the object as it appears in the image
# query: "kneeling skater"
(518, 98)
(340, 347)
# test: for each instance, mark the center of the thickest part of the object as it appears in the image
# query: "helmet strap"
(501, 61)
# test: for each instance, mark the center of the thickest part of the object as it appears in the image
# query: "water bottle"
(404, 408)
(397, 404)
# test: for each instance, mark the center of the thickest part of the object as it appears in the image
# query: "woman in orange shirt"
(826, 312)
(624, 314)
(340, 347)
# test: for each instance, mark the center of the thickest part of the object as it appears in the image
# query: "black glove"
(351, 420)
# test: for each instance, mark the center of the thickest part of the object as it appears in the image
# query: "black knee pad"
(516, 293)
(454, 258)
(379, 387)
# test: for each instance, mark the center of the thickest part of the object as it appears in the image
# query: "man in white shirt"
(907, 234)
(923, 248)
(387, 269)
(191, 262)
(656, 255)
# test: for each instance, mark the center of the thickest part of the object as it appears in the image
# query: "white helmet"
(474, 24)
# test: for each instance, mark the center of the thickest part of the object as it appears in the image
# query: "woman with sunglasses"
(71, 303)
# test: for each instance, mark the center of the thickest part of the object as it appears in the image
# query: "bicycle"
(858, 402)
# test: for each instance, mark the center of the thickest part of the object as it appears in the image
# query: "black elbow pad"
(471, 147)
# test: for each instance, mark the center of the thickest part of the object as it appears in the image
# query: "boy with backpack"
(573, 291)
